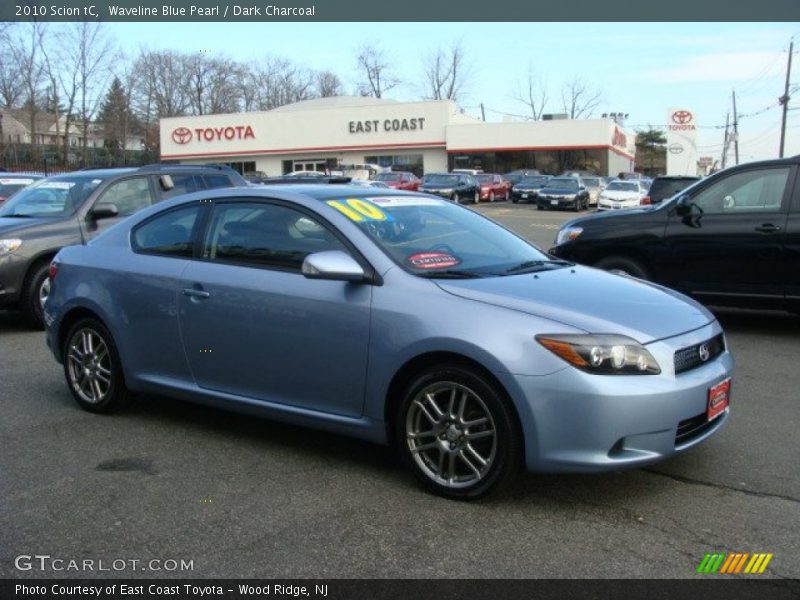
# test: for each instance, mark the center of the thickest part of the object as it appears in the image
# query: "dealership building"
(422, 137)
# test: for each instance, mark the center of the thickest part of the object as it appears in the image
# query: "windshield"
(621, 186)
(12, 185)
(562, 183)
(537, 181)
(484, 178)
(441, 179)
(387, 177)
(591, 181)
(434, 238)
(53, 197)
(666, 188)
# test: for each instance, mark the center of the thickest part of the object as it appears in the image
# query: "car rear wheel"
(458, 433)
(37, 289)
(506, 196)
(92, 367)
(456, 198)
(477, 197)
(622, 265)
(491, 196)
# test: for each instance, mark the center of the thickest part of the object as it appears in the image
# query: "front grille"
(689, 358)
(689, 429)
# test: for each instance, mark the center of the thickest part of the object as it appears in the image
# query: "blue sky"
(643, 69)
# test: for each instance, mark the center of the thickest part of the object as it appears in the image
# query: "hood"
(558, 191)
(621, 195)
(11, 224)
(591, 300)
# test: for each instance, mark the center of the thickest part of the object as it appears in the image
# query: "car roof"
(6, 175)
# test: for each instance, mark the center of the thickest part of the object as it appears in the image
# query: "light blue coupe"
(395, 317)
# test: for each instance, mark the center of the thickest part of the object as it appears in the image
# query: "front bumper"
(577, 422)
(550, 202)
(12, 275)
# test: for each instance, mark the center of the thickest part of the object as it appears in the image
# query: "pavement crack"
(721, 486)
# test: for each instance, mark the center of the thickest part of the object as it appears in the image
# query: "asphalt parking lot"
(241, 497)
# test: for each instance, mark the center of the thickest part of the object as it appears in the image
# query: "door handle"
(192, 293)
(768, 228)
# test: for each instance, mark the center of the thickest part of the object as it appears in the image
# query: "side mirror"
(332, 264)
(104, 210)
(683, 206)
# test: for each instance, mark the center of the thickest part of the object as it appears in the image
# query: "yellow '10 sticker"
(359, 210)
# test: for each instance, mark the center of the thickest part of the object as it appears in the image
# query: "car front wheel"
(456, 198)
(477, 197)
(622, 265)
(37, 289)
(458, 433)
(92, 367)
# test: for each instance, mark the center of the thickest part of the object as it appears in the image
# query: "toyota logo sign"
(704, 352)
(682, 117)
(675, 148)
(181, 135)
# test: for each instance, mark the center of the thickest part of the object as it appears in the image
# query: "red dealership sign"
(682, 120)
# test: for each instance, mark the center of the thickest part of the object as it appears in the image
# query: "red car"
(399, 180)
(493, 186)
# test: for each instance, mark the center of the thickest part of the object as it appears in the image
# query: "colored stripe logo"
(734, 563)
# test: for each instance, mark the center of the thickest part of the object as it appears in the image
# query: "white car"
(621, 194)
(595, 186)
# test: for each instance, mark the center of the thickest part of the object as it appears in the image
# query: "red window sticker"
(433, 260)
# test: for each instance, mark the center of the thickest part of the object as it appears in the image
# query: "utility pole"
(725, 142)
(784, 100)
(483, 113)
(735, 129)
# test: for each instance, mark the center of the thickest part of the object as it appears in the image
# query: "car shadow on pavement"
(773, 323)
(12, 321)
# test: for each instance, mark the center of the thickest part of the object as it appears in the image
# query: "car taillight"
(645, 201)
(53, 271)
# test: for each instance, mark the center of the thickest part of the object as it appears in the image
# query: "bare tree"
(163, 92)
(579, 99)
(27, 54)
(375, 72)
(11, 79)
(328, 84)
(532, 92)
(279, 82)
(445, 74)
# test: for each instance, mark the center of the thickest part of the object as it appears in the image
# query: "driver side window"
(761, 190)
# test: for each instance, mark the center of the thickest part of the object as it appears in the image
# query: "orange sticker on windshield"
(433, 260)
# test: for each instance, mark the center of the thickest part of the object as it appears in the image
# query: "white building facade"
(421, 137)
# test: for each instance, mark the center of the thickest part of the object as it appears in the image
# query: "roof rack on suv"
(310, 179)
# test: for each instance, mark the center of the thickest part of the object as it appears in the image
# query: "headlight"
(602, 354)
(9, 246)
(568, 234)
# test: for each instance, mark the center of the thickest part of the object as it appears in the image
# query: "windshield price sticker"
(359, 210)
(433, 260)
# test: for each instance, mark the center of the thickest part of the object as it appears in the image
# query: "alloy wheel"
(451, 435)
(44, 291)
(89, 365)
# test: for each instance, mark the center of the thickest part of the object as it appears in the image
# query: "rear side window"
(184, 184)
(217, 181)
(169, 233)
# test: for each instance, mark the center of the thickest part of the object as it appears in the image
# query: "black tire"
(507, 196)
(477, 197)
(82, 365)
(498, 441)
(514, 200)
(539, 206)
(456, 198)
(577, 207)
(623, 266)
(31, 301)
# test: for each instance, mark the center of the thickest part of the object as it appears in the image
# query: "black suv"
(730, 239)
(667, 186)
(69, 209)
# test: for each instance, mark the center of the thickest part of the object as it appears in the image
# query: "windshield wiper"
(450, 274)
(535, 265)
(18, 216)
